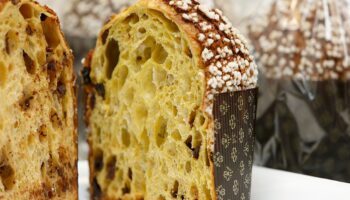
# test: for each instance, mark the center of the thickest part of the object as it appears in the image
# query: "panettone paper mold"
(234, 127)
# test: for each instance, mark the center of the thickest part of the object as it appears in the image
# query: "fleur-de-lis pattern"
(232, 122)
(235, 187)
(226, 140)
(218, 159)
(234, 154)
(241, 135)
(217, 125)
(234, 118)
(224, 108)
(228, 173)
(220, 192)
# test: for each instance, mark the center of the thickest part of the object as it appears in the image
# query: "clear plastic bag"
(302, 49)
(239, 11)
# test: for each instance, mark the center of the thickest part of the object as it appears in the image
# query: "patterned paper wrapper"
(234, 127)
(303, 126)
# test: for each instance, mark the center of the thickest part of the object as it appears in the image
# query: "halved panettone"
(38, 147)
(151, 83)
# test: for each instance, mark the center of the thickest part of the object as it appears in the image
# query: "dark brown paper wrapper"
(319, 147)
(234, 115)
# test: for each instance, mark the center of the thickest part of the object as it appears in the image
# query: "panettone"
(38, 147)
(303, 40)
(151, 83)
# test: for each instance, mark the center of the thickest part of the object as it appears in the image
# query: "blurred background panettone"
(302, 49)
(304, 39)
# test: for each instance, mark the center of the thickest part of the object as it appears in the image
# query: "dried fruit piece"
(111, 168)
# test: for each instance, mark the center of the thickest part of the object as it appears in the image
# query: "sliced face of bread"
(150, 84)
(38, 143)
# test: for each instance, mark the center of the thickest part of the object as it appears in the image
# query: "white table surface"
(268, 184)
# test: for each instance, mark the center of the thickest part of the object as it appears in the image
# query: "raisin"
(130, 173)
(51, 71)
(49, 49)
(100, 88)
(92, 101)
(61, 89)
(174, 194)
(29, 63)
(51, 65)
(43, 17)
(111, 168)
(7, 44)
(188, 142)
(29, 30)
(98, 161)
(27, 102)
(175, 190)
(25, 105)
(60, 171)
(126, 190)
(86, 75)
(96, 190)
(195, 152)
(42, 132)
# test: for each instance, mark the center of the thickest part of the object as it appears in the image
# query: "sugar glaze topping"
(229, 67)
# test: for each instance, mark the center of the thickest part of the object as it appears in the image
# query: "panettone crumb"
(38, 151)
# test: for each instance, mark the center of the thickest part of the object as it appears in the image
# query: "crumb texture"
(37, 113)
(148, 130)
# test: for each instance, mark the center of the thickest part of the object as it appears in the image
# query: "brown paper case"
(234, 126)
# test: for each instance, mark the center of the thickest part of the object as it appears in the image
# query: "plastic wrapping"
(239, 11)
(302, 49)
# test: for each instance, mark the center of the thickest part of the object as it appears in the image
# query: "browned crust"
(37, 192)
